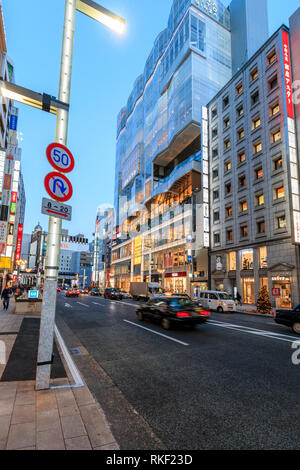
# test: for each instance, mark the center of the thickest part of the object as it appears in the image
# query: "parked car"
(217, 300)
(113, 293)
(95, 291)
(72, 293)
(289, 318)
(172, 310)
(125, 295)
(85, 291)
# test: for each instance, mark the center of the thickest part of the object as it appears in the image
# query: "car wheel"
(296, 328)
(166, 324)
(220, 310)
(140, 316)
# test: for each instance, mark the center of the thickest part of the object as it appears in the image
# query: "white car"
(217, 300)
(126, 295)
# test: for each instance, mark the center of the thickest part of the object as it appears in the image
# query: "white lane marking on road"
(98, 303)
(131, 305)
(245, 329)
(82, 304)
(68, 305)
(156, 333)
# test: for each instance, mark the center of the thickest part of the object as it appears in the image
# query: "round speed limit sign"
(60, 157)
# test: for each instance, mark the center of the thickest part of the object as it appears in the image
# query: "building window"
(273, 83)
(271, 57)
(228, 211)
(227, 166)
(241, 157)
(229, 235)
(247, 260)
(243, 206)
(231, 261)
(214, 113)
(239, 111)
(214, 132)
(277, 163)
(254, 74)
(281, 221)
(215, 173)
(274, 109)
(241, 133)
(275, 136)
(257, 147)
(216, 238)
(215, 194)
(255, 98)
(242, 181)
(262, 254)
(256, 123)
(227, 144)
(279, 193)
(226, 123)
(244, 231)
(261, 226)
(228, 188)
(258, 173)
(216, 216)
(239, 89)
(259, 200)
(215, 152)
(225, 101)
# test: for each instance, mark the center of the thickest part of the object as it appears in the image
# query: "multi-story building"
(254, 167)
(161, 187)
(159, 159)
(105, 220)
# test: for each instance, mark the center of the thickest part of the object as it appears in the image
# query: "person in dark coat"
(5, 296)
(239, 298)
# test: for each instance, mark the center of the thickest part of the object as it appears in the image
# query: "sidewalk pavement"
(54, 419)
(252, 310)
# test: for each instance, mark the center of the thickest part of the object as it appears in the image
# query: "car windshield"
(224, 296)
(182, 301)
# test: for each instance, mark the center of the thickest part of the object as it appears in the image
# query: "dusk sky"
(105, 67)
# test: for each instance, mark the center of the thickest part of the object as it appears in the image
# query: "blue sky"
(105, 67)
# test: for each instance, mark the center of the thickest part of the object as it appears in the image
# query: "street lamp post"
(102, 15)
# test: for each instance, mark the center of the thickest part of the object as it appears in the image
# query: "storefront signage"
(168, 275)
(219, 263)
(276, 292)
(19, 242)
(281, 278)
(287, 74)
(205, 183)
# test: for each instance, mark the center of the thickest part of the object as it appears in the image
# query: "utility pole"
(55, 224)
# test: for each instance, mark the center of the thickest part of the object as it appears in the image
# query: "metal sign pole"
(45, 350)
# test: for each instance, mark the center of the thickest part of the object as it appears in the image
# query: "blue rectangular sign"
(13, 121)
(33, 294)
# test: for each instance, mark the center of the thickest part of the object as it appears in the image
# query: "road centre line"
(266, 334)
(157, 333)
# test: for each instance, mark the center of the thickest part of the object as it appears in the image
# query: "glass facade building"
(158, 152)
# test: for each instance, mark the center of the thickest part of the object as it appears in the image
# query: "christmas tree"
(263, 301)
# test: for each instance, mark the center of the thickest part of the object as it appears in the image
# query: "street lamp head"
(101, 14)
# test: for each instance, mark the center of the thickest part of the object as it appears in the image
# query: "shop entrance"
(249, 291)
(284, 300)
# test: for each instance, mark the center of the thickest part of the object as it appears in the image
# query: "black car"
(113, 293)
(172, 310)
(289, 318)
(95, 292)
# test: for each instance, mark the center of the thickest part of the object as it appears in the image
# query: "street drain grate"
(76, 351)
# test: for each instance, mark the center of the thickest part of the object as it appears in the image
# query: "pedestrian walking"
(239, 298)
(5, 296)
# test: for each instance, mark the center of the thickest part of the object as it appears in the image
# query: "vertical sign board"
(19, 242)
(290, 135)
(205, 182)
